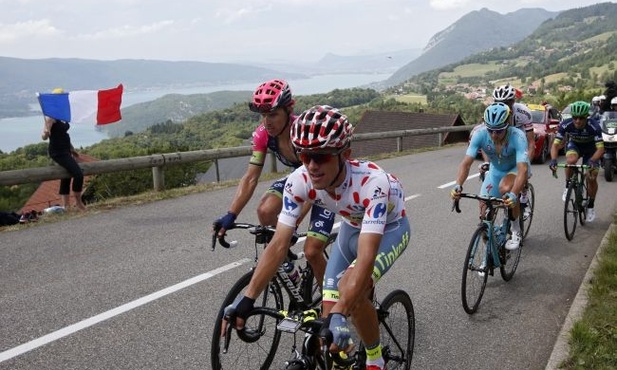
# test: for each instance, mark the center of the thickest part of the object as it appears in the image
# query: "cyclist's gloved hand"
(456, 191)
(553, 165)
(483, 167)
(225, 222)
(341, 334)
(510, 199)
(593, 164)
(241, 308)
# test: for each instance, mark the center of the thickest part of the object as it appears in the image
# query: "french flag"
(98, 106)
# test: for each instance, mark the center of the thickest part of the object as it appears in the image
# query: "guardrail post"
(158, 178)
(216, 167)
(440, 138)
(399, 144)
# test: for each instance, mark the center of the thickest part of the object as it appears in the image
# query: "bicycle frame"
(263, 235)
(577, 189)
(488, 244)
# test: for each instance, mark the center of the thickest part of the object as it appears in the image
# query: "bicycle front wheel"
(255, 346)
(570, 213)
(397, 323)
(475, 270)
(581, 201)
(527, 216)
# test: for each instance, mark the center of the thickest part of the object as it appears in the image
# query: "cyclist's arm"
(557, 145)
(531, 144)
(463, 169)
(356, 280)
(270, 260)
(245, 189)
(597, 155)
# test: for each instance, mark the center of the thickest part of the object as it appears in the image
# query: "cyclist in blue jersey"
(273, 100)
(584, 140)
(506, 149)
(374, 232)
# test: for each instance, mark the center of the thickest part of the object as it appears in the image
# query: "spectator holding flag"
(61, 150)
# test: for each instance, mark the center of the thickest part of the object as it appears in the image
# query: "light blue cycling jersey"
(513, 151)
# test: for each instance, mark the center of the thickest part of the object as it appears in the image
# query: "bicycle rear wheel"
(475, 270)
(570, 213)
(397, 326)
(254, 347)
(527, 216)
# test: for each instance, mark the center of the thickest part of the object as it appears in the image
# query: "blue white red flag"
(97, 106)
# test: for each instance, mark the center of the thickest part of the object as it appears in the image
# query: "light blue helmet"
(496, 116)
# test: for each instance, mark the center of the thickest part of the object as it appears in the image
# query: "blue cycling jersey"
(513, 150)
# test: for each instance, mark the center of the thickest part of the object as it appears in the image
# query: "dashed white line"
(451, 183)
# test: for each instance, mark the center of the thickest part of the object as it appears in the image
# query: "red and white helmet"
(271, 95)
(321, 127)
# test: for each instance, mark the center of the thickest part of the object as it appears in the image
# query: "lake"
(20, 131)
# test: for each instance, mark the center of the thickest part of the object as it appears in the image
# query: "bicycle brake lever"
(455, 206)
(227, 336)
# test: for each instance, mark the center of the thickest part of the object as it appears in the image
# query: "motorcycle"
(608, 122)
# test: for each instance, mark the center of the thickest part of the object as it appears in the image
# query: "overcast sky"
(232, 30)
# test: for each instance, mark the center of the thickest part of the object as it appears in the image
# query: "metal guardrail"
(158, 161)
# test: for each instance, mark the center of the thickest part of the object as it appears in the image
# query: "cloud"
(128, 31)
(28, 29)
(448, 4)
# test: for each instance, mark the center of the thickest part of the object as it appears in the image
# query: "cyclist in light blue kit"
(506, 149)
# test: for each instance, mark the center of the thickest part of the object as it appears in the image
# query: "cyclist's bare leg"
(505, 186)
(592, 183)
(313, 251)
(571, 158)
(269, 207)
(363, 316)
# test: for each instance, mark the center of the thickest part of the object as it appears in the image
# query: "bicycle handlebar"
(255, 230)
(315, 324)
(483, 198)
(566, 165)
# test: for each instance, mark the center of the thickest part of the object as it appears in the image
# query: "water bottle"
(523, 197)
(292, 270)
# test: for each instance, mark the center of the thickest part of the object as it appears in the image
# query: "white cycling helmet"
(595, 99)
(504, 93)
(614, 100)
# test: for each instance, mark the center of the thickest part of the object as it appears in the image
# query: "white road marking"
(16, 351)
(61, 333)
(452, 183)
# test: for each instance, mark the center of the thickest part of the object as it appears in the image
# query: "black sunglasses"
(497, 131)
(318, 157)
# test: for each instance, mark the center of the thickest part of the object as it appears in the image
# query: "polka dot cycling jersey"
(368, 199)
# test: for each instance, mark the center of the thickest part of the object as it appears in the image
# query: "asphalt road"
(138, 287)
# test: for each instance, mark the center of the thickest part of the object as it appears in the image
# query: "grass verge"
(593, 339)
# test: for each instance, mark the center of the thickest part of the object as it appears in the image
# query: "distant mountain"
(565, 58)
(386, 62)
(20, 79)
(474, 32)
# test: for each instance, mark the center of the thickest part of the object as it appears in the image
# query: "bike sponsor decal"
(385, 260)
